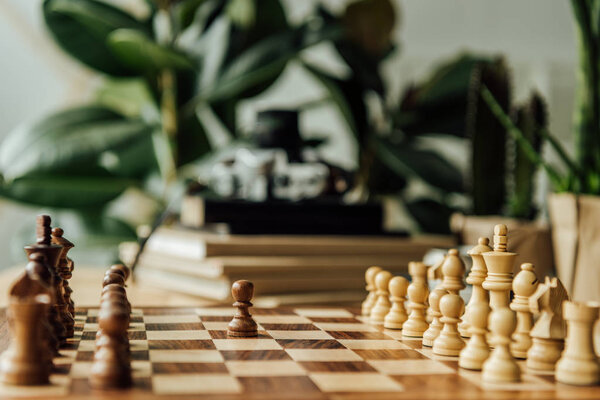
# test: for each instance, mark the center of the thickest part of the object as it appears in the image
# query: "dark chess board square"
(272, 311)
(136, 335)
(183, 368)
(181, 326)
(140, 355)
(71, 344)
(279, 384)
(358, 335)
(91, 319)
(254, 355)
(290, 327)
(181, 344)
(335, 366)
(309, 344)
(85, 356)
(169, 311)
(215, 318)
(223, 335)
(88, 335)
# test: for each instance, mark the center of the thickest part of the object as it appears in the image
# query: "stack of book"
(284, 268)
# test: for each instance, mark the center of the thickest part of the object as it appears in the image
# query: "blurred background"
(387, 94)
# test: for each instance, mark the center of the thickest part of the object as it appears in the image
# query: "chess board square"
(168, 311)
(58, 387)
(140, 355)
(86, 345)
(355, 382)
(450, 383)
(91, 320)
(309, 344)
(289, 327)
(323, 355)
(372, 344)
(359, 335)
(185, 356)
(136, 318)
(170, 319)
(270, 311)
(177, 326)
(344, 327)
(135, 345)
(84, 356)
(66, 356)
(90, 327)
(345, 320)
(177, 335)
(180, 344)
(259, 355)
(314, 335)
(330, 366)
(410, 366)
(70, 345)
(389, 354)
(323, 312)
(281, 319)
(216, 318)
(428, 352)
(264, 368)
(189, 368)
(141, 369)
(138, 311)
(136, 326)
(216, 326)
(246, 344)
(216, 312)
(279, 384)
(528, 382)
(80, 369)
(137, 335)
(223, 335)
(195, 384)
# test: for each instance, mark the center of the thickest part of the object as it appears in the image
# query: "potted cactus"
(574, 207)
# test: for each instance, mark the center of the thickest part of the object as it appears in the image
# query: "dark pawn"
(111, 278)
(121, 270)
(242, 324)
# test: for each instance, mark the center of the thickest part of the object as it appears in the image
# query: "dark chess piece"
(120, 269)
(242, 324)
(112, 278)
(59, 311)
(65, 273)
(27, 361)
(111, 368)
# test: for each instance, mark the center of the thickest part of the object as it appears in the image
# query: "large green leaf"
(140, 53)
(81, 28)
(407, 160)
(65, 191)
(79, 141)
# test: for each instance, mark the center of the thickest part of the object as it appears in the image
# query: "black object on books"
(308, 217)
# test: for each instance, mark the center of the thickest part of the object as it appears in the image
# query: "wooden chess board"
(308, 353)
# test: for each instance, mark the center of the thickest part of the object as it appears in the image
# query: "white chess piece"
(397, 316)
(501, 367)
(382, 305)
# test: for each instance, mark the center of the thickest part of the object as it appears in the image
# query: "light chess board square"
(170, 384)
(355, 382)
(265, 368)
(177, 335)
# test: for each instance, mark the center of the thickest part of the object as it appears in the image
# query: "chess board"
(308, 353)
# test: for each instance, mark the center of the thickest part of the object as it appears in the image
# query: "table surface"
(308, 353)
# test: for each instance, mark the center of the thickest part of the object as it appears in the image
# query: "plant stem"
(516, 133)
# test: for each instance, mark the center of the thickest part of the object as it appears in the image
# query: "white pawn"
(477, 349)
(501, 367)
(524, 285)
(434, 310)
(369, 302)
(579, 364)
(397, 315)
(416, 324)
(382, 305)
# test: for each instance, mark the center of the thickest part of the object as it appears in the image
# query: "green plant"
(161, 71)
(582, 172)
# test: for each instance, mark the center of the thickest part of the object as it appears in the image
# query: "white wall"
(537, 36)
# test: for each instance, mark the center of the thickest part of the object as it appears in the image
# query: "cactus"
(530, 118)
(488, 136)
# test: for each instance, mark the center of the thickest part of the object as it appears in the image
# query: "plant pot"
(575, 237)
(531, 240)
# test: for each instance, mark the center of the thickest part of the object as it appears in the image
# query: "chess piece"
(475, 278)
(435, 273)
(242, 324)
(397, 315)
(579, 364)
(369, 302)
(382, 304)
(113, 278)
(477, 349)
(120, 269)
(548, 333)
(27, 360)
(449, 342)
(524, 285)
(65, 273)
(59, 309)
(501, 367)
(499, 265)
(435, 326)
(417, 291)
(111, 367)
